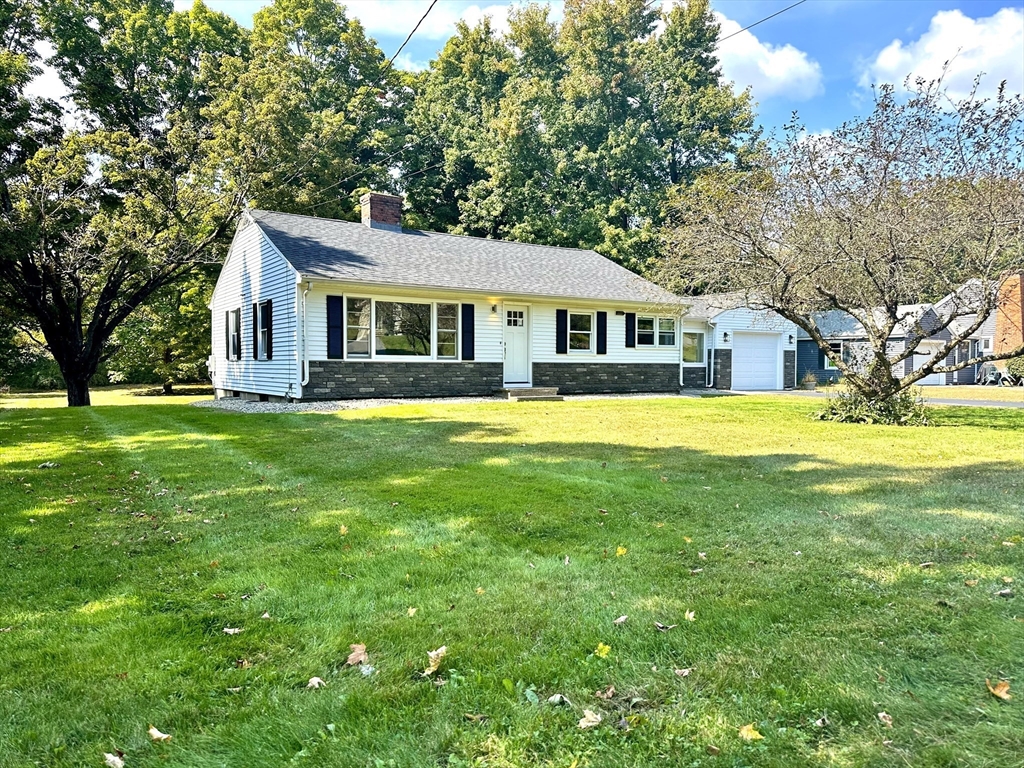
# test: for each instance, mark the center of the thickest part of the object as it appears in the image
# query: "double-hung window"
(655, 331)
(235, 334)
(581, 332)
(693, 347)
(357, 317)
(264, 337)
(448, 331)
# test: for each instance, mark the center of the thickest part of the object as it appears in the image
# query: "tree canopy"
(921, 199)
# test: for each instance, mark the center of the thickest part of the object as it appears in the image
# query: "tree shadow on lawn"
(230, 517)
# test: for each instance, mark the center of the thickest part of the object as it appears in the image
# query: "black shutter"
(631, 329)
(468, 332)
(821, 359)
(561, 331)
(270, 329)
(227, 335)
(335, 327)
(255, 331)
(602, 333)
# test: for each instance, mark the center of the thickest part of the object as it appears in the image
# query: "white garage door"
(755, 361)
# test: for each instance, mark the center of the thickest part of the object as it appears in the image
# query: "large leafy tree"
(130, 197)
(922, 198)
(572, 134)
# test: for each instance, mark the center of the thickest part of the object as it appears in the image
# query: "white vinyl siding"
(255, 272)
(542, 317)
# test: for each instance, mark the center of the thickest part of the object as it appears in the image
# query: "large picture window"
(448, 331)
(358, 321)
(581, 332)
(402, 328)
(693, 347)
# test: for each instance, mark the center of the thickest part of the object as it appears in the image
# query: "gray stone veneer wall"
(694, 377)
(723, 369)
(580, 378)
(788, 368)
(344, 379)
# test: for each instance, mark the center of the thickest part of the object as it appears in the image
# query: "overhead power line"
(380, 77)
(766, 18)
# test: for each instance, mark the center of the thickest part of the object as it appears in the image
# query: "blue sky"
(819, 58)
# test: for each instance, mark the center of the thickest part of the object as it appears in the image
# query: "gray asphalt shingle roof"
(348, 251)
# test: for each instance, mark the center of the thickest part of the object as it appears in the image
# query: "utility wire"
(380, 77)
(766, 18)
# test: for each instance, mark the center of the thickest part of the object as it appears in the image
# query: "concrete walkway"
(929, 400)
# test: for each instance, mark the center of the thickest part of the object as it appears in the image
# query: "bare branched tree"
(921, 199)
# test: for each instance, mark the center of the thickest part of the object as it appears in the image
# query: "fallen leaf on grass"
(589, 719)
(603, 511)
(886, 719)
(316, 682)
(620, 551)
(712, 750)
(602, 651)
(558, 700)
(112, 761)
(695, 571)
(475, 718)
(971, 583)
(566, 561)
(1007, 579)
(620, 620)
(480, 590)
(664, 627)
(664, 479)
(232, 630)
(1001, 690)
(929, 564)
(358, 655)
(749, 733)
(242, 663)
(690, 616)
(1004, 593)
(343, 530)
(156, 735)
(436, 657)
(411, 612)
(821, 722)
(266, 615)
(683, 672)
(606, 694)
(49, 465)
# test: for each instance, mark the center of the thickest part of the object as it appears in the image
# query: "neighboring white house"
(308, 308)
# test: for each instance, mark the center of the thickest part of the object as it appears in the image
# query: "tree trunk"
(78, 390)
(168, 387)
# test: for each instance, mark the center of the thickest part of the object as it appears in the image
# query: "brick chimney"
(381, 211)
(1010, 314)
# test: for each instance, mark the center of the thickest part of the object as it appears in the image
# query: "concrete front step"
(518, 393)
(537, 399)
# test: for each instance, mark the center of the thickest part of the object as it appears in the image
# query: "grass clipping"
(905, 409)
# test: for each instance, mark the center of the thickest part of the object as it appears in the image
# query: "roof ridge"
(445, 234)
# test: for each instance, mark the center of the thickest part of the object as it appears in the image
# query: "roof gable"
(330, 249)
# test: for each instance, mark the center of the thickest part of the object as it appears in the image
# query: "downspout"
(305, 346)
(714, 348)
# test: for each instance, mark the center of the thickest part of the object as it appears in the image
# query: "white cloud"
(407, 63)
(770, 70)
(993, 45)
(397, 17)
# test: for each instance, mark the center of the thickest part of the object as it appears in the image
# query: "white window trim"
(657, 333)
(261, 332)
(374, 357)
(829, 365)
(592, 349)
(703, 350)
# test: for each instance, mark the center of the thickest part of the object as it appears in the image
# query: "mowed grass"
(1000, 394)
(825, 566)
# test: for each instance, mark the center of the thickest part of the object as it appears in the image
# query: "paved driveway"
(931, 400)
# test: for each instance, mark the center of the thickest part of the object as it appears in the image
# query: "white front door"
(517, 345)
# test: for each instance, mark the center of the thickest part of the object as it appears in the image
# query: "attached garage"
(755, 361)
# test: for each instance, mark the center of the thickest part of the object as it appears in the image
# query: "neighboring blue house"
(847, 337)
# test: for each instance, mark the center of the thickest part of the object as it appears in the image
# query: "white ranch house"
(309, 309)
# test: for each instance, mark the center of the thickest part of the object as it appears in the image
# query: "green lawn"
(519, 533)
(1002, 394)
